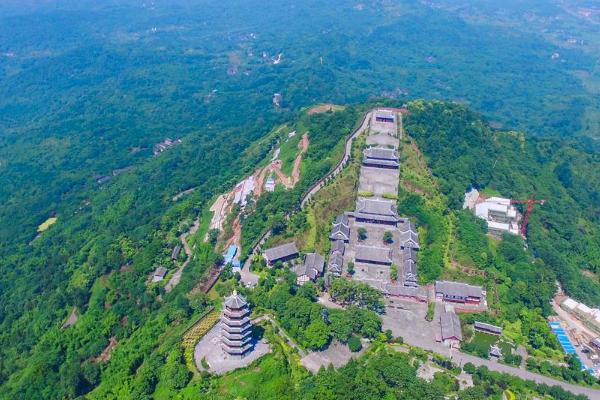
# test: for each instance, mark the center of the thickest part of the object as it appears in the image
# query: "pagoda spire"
(236, 326)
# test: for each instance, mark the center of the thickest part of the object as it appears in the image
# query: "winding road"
(188, 252)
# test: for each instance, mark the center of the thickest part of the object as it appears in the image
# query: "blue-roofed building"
(231, 252)
(564, 341)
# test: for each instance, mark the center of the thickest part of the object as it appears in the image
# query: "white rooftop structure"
(243, 189)
(471, 198)
(500, 215)
(569, 303)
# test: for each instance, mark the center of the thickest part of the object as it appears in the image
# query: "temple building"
(377, 211)
(236, 326)
(381, 157)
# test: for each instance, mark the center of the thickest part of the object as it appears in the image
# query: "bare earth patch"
(321, 108)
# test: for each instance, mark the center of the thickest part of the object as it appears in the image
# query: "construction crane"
(530, 202)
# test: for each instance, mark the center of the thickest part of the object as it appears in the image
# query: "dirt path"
(105, 355)
(285, 180)
(71, 320)
(260, 177)
(321, 108)
(218, 209)
(303, 146)
(237, 233)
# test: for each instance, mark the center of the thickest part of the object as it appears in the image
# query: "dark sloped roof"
(458, 289)
(235, 301)
(176, 251)
(374, 254)
(450, 326)
(488, 327)
(312, 267)
(282, 251)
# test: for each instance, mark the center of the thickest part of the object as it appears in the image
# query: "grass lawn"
(483, 341)
(47, 224)
(288, 152)
(269, 377)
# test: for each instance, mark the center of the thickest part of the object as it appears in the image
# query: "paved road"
(347, 153)
(318, 185)
(176, 277)
(462, 359)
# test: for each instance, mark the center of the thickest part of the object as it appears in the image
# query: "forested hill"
(463, 151)
(88, 87)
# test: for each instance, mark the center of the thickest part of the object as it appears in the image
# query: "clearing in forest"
(47, 224)
(321, 108)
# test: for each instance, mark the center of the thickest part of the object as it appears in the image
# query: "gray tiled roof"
(410, 269)
(338, 246)
(488, 327)
(312, 267)
(399, 290)
(282, 251)
(235, 301)
(409, 254)
(336, 262)
(341, 228)
(457, 289)
(374, 162)
(160, 272)
(342, 219)
(340, 232)
(450, 326)
(374, 254)
(381, 153)
(377, 207)
(409, 239)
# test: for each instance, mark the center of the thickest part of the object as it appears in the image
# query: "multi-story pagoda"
(237, 327)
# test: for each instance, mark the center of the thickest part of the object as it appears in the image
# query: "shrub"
(354, 344)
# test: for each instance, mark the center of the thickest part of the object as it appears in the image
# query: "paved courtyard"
(382, 139)
(219, 362)
(379, 181)
(407, 319)
(336, 354)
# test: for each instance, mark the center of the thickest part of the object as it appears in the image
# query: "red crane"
(530, 202)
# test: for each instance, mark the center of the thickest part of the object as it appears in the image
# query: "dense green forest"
(89, 88)
(463, 152)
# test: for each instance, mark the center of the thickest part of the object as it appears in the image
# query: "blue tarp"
(564, 341)
(231, 252)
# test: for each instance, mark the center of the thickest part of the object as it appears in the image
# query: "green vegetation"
(388, 237)
(307, 322)
(365, 194)
(480, 344)
(362, 233)
(394, 272)
(328, 131)
(47, 224)
(561, 233)
(356, 293)
(430, 311)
